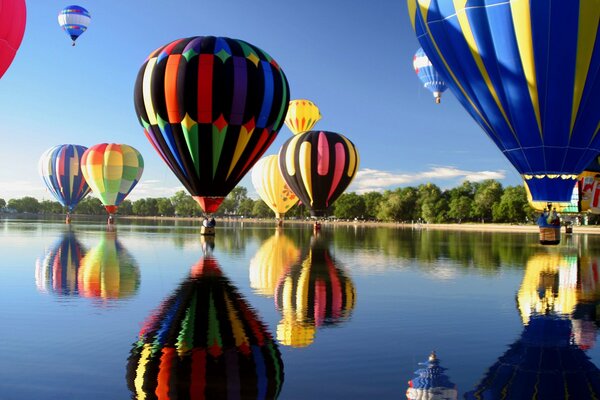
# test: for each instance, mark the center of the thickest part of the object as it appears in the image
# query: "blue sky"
(352, 58)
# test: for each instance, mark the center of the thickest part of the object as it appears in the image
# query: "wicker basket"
(550, 236)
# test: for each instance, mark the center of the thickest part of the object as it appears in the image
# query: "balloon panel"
(13, 15)
(540, 106)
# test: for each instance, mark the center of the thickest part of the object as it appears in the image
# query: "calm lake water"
(151, 312)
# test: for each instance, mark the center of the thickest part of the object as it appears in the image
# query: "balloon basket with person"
(549, 224)
(208, 226)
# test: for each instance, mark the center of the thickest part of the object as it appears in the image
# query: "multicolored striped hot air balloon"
(542, 364)
(112, 171)
(431, 382)
(302, 115)
(271, 261)
(108, 271)
(205, 342)
(60, 168)
(432, 81)
(528, 72)
(314, 292)
(74, 20)
(57, 272)
(13, 16)
(210, 106)
(318, 166)
(271, 187)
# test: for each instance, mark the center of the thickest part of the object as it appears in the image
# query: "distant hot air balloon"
(318, 166)
(301, 116)
(74, 20)
(205, 342)
(57, 272)
(60, 168)
(271, 187)
(428, 75)
(431, 383)
(108, 271)
(528, 72)
(210, 106)
(314, 292)
(112, 171)
(271, 261)
(13, 15)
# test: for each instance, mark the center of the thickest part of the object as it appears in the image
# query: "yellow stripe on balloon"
(521, 16)
(589, 17)
(352, 157)
(424, 8)
(243, 139)
(237, 328)
(465, 26)
(412, 12)
(304, 161)
(140, 372)
(287, 303)
(289, 156)
(147, 91)
(303, 286)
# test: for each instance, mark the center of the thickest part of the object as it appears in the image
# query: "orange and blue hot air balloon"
(318, 166)
(210, 107)
(13, 15)
(60, 168)
(528, 72)
(74, 20)
(432, 81)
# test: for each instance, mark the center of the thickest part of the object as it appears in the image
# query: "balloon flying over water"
(60, 169)
(432, 81)
(302, 115)
(528, 72)
(318, 166)
(210, 106)
(112, 171)
(74, 20)
(13, 15)
(271, 187)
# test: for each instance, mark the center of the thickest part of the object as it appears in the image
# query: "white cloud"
(153, 188)
(368, 179)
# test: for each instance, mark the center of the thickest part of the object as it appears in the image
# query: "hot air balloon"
(314, 292)
(74, 20)
(528, 73)
(205, 342)
(302, 115)
(60, 168)
(57, 272)
(431, 382)
(571, 206)
(432, 81)
(271, 187)
(318, 166)
(13, 15)
(108, 271)
(210, 106)
(271, 261)
(112, 171)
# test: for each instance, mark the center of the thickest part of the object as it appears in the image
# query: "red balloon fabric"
(13, 14)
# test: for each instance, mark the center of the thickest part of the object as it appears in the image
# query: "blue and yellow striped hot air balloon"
(528, 72)
(432, 81)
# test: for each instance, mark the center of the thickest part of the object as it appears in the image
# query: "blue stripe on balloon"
(167, 133)
(265, 110)
(261, 373)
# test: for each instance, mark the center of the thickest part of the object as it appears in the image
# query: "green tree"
(399, 205)
(372, 201)
(512, 206)
(165, 207)
(460, 208)
(246, 207)
(350, 206)
(90, 206)
(487, 194)
(25, 204)
(185, 205)
(140, 207)
(126, 207)
(2, 203)
(51, 207)
(262, 210)
(433, 203)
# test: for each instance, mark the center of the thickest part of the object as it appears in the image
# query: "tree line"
(486, 201)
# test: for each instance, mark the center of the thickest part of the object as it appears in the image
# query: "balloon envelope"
(271, 187)
(60, 169)
(318, 166)
(57, 272)
(13, 15)
(432, 81)
(302, 115)
(210, 106)
(528, 73)
(74, 20)
(112, 171)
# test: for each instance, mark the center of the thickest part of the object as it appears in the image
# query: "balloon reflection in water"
(59, 269)
(271, 261)
(312, 293)
(205, 341)
(431, 382)
(108, 271)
